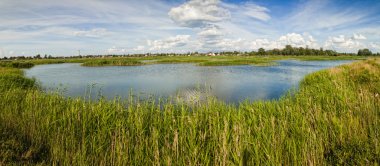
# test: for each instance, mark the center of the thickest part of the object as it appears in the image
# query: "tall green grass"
(109, 62)
(334, 118)
(16, 64)
(200, 60)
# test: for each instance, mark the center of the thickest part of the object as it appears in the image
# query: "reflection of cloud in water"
(193, 94)
(228, 83)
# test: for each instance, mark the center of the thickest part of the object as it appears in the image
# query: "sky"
(61, 28)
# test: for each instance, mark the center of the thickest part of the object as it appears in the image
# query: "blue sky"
(61, 28)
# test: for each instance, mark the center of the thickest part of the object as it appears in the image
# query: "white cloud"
(374, 46)
(116, 50)
(264, 43)
(343, 43)
(358, 37)
(211, 31)
(2, 54)
(296, 40)
(255, 11)
(124, 50)
(293, 39)
(169, 43)
(95, 33)
(62, 27)
(321, 14)
(139, 48)
(233, 45)
(198, 13)
(339, 39)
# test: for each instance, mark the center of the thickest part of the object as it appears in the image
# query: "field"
(332, 119)
(199, 60)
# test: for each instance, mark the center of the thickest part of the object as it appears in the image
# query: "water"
(228, 83)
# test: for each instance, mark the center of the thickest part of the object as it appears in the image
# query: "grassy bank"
(120, 62)
(199, 60)
(334, 118)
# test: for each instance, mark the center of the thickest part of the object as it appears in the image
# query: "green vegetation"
(108, 62)
(220, 60)
(16, 64)
(364, 52)
(333, 119)
(260, 58)
(242, 60)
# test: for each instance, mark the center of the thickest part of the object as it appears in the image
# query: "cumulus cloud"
(298, 40)
(263, 43)
(198, 13)
(343, 43)
(209, 18)
(169, 43)
(358, 37)
(293, 39)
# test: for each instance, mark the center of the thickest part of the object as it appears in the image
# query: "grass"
(333, 119)
(11, 64)
(123, 62)
(198, 60)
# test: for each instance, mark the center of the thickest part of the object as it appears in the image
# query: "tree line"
(287, 51)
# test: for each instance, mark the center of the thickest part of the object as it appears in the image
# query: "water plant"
(333, 119)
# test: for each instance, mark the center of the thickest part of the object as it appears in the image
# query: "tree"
(364, 52)
(38, 56)
(288, 50)
(261, 51)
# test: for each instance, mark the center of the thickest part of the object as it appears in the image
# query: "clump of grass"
(7, 70)
(124, 62)
(16, 64)
(333, 119)
(256, 62)
(10, 81)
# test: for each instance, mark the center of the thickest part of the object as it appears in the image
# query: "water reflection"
(228, 83)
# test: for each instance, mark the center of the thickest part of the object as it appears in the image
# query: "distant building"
(211, 54)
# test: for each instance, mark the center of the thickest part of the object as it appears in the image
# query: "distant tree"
(364, 52)
(288, 50)
(38, 56)
(261, 51)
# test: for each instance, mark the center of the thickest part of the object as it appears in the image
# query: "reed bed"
(333, 119)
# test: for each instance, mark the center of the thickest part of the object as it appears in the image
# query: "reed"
(333, 119)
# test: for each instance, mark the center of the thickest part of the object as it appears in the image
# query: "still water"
(228, 83)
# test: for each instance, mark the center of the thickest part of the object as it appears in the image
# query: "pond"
(231, 84)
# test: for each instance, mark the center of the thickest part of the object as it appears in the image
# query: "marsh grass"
(109, 62)
(16, 64)
(198, 60)
(333, 119)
